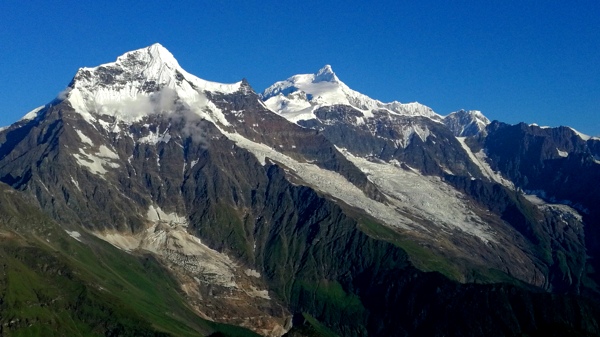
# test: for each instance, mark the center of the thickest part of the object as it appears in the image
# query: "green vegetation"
(228, 230)
(332, 293)
(427, 260)
(331, 302)
(309, 327)
(53, 285)
(421, 257)
(318, 328)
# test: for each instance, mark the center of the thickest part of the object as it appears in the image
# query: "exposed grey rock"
(192, 173)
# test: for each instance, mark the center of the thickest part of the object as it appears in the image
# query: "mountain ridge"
(324, 88)
(261, 218)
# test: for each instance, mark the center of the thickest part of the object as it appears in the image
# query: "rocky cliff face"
(453, 151)
(360, 212)
(556, 164)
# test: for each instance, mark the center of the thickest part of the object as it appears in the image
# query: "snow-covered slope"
(139, 83)
(466, 123)
(32, 114)
(299, 96)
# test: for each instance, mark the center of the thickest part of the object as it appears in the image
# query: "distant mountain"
(297, 97)
(314, 209)
(466, 123)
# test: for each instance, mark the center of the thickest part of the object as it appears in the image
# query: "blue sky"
(531, 61)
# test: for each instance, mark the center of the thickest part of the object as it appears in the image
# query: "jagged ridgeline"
(144, 200)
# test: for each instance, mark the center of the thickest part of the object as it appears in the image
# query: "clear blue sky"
(531, 61)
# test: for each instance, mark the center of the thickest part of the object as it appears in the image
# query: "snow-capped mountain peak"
(155, 52)
(325, 74)
(465, 123)
(138, 83)
(324, 88)
(150, 60)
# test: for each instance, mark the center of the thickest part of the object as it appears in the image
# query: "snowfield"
(409, 192)
(427, 196)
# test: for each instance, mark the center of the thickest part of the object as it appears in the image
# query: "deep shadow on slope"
(312, 253)
(322, 264)
(529, 156)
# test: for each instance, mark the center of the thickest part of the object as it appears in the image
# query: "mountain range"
(144, 200)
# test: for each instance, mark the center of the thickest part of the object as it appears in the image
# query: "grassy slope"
(309, 327)
(53, 285)
(428, 261)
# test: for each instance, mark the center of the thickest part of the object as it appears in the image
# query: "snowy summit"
(466, 123)
(300, 95)
(140, 82)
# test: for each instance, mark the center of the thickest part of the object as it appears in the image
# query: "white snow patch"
(114, 127)
(92, 163)
(479, 159)
(84, 138)
(105, 125)
(32, 114)
(292, 108)
(97, 163)
(156, 137)
(156, 214)
(252, 272)
(541, 127)
(75, 235)
(563, 154)
(254, 292)
(75, 183)
(581, 135)
(407, 132)
(105, 152)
